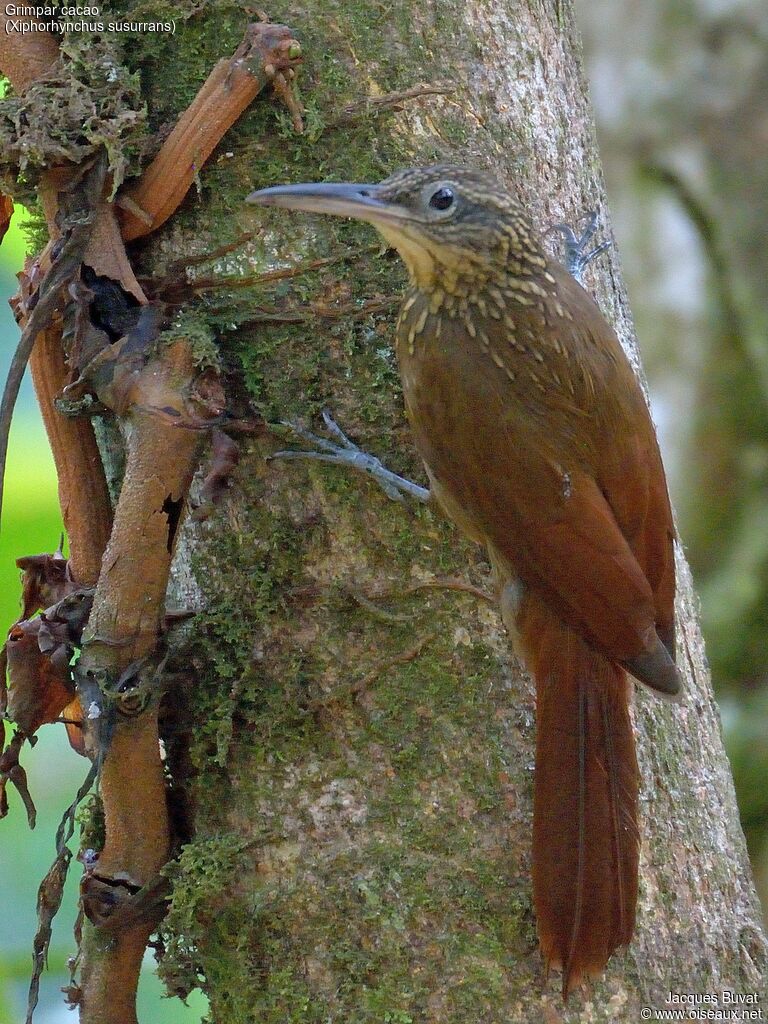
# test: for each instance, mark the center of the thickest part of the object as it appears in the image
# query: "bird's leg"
(344, 452)
(576, 247)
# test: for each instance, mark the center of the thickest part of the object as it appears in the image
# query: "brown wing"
(532, 478)
(631, 474)
(582, 563)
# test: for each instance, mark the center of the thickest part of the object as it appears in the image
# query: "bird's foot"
(344, 452)
(576, 247)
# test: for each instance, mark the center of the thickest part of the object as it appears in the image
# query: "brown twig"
(282, 88)
(61, 272)
(181, 266)
(6, 212)
(232, 85)
(125, 623)
(359, 686)
(388, 101)
(376, 610)
(450, 583)
(271, 314)
(441, 583)
(25, 58)
(397, 659)
(83, 493)
(233, 281)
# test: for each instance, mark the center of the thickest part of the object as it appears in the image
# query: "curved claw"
(577, 256)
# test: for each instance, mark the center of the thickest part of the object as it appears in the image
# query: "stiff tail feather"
(585, 834)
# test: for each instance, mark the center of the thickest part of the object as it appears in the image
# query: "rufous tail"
(585, 834)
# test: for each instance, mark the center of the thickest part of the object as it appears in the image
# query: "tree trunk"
(363, 750)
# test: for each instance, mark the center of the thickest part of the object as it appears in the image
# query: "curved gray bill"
(362, 202)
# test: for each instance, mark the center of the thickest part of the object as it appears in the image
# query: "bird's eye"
(442, 199)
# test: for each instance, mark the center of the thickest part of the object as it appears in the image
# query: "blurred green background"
(681, 103)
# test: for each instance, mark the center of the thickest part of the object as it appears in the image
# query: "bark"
(363, 750)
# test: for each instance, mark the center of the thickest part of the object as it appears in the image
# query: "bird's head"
(448, 223)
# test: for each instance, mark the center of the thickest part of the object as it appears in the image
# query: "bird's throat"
(454, 270)
(419, 259)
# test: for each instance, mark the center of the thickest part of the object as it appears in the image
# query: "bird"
(539, 444)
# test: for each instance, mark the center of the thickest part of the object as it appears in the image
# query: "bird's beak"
(363, 202)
